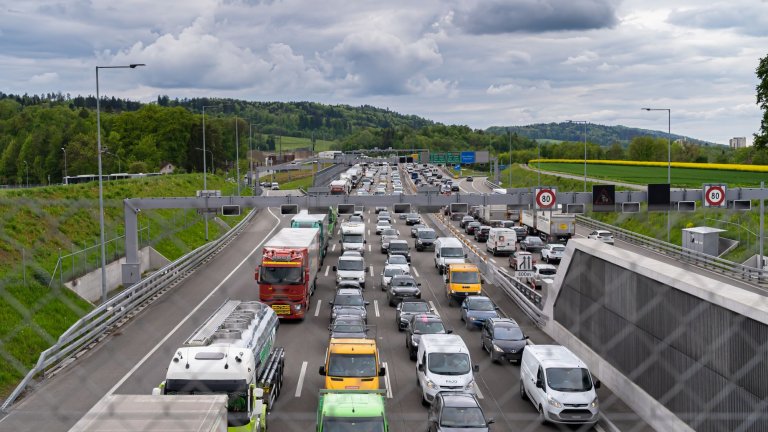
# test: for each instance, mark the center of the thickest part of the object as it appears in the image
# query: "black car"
(408, 308)
(532, 244)
(469, 179)
(349, 302)
(412, 219)
(348, 326)
(400, 247)
(425, 239)
(470, 227)
(465, 220)
(402, 287)
(421, 324)
(415, 229)
(503, 339)
(481, 234)
(457, 411)
(520, 231)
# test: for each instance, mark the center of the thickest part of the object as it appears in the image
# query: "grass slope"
(291, 143)
(36, 224)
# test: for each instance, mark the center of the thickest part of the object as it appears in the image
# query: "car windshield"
(406, 281)
(348, 326)
(352, 238)
(394, 271)
(452, 252)
(449, 363)
(534, 241)
(348, 300)
(428, 327)
(384, 223)
(389, 232)
(569, 379)
(465, 278)
(426, 234)
(507, 333)
(352, 365)
(558, 248)
(604, 234)
(355, 218)
(547, 271)
(469, 417)
(481, 305)
(351, 265)
(397, 259)
(412, 216)
(414, 307)
(398, 246)
(281, 275)
(347, 424)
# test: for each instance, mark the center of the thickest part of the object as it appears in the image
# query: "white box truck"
(551, 226)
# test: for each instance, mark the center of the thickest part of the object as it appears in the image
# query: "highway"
(134, 359)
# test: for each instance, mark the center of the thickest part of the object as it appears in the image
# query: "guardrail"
(527, 298)
(118, 309)
(728, 268)
(491, 185)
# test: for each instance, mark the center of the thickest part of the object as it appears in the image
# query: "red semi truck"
(287, 275)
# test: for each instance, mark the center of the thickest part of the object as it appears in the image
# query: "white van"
(559, 385)
(448, 250)
(443, 364)
(501, 241)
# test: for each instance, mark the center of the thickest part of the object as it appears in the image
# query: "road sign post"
(545, 198)
(524, 265)
(714, 195)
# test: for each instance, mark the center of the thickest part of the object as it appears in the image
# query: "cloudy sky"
(480, 63)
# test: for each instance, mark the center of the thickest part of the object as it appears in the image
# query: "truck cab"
(461, 281)
(347, 410)
(353, 236)
(352, 364)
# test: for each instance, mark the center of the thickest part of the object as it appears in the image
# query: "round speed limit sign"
(714, 195)
(545, 198)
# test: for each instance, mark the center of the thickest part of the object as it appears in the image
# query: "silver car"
(389, 272)
(387, 235)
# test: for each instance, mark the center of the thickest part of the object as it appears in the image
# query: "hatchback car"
(531, 244)
(381, 225)
(348, 326)
(481, 234)
(476, 309)
(412, 219)
(602, 235)
(552, 252)
(503, 339)
(389, 272)
(400, 247)
(349, 302)
(402, 287)
(457, 411)
(408, 308)
(470, 227)
(398, 260)
(415, 229)
(421, 324)
(465, 220)
(425, 239)
(385, 215)
(386, 236)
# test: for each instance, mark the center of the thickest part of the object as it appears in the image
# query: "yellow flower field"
(712, 166)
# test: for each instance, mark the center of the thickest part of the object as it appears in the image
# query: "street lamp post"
(250, 155)
(237, 155)
(65, 164)
(669, 152)
(101, 187)
(585, 149)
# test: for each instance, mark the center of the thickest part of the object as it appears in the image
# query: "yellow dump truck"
(462, 280)
(352, 364)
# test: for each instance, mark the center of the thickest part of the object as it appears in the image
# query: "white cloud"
(44, 78)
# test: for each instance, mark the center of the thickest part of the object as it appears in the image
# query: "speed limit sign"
(714, 195)
(545, 198)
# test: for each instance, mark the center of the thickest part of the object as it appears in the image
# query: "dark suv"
(503, 339)
(421, 324)
(400, 247)
(425, 239)
(455, 411)
(481, 234)
(412, 219)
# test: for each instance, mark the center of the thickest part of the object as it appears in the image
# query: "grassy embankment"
(291, 143)
(654, 224)
(36, 224)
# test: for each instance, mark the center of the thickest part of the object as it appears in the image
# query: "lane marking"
(416, 272)
(193, 311)
(327, 269)
(478, 392)
(369, 233)
(301, 379)
(386, 380)
(599, 428)
(371, 268)
(492, 260)
(432, 305)
(376, 307)
(333, 248)
(369, 248)
(317, 307)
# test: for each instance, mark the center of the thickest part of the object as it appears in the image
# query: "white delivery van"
(448, 250)
(352, 237)
(559, 385)
(443, 364)
(501, 241)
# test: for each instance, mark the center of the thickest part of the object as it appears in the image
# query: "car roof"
(413, 300)
(502, 321)
(350, 257)
(545, 266)
(397, 241)
(426, 317)
(403, 276)
(459, 399)
(348, 291)
(475, 298)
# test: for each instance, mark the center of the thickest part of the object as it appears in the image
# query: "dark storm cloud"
(533, 16)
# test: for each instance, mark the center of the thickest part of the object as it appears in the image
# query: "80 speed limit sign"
(714, 195)
(545, 198)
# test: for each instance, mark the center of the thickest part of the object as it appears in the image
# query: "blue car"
(476, 309)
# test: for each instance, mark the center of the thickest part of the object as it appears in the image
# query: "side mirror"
(330, 302)
(539, 384)
(365, 241)
(597, 384)
(526, 337)
(256, 275)
(156, 391)
(497, 308)
(321, 371)
(476, 368)
(465, 255)
(339, 240)
(367, 303)
(418, 284)
(448, 331)
(382, 371)
(437, 255)
(421, 367)
(490, 421)
(334, 268)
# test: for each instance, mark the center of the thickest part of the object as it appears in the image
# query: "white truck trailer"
(551, 226)
(233, 354)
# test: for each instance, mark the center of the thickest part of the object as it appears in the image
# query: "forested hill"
(599, 134)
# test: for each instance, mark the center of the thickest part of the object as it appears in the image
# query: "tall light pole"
(205, 168)
(237, 155)
(26, 165)
(669, 152)
(65, 164)
(101, 187)
(585, 149)
(250, 154)
(509, 165)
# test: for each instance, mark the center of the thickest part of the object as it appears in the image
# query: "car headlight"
(470, 318)
(497, 348)
(429, 383)
(415, 341)
(470, 385)
(594, 403)
(361, 278)
(552, 401)
(297, 307)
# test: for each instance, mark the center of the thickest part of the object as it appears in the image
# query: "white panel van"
(443, 364)
(559, 385)
(448, 250)
(501, 241)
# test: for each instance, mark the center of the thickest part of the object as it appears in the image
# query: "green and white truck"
(325, 222)
(347, 410)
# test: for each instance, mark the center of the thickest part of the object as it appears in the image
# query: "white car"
(398, 260)
(602, 235)
(389, 271)
(552, 252)
(542, 272)
(381, 225)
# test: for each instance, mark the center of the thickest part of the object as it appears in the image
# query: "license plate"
(523, 274)
(352, 387)
(282, 309)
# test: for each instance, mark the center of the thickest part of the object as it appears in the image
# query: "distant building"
(167, 168)
(738, 142)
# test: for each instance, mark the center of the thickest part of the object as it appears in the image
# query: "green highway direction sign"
(445, 158)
